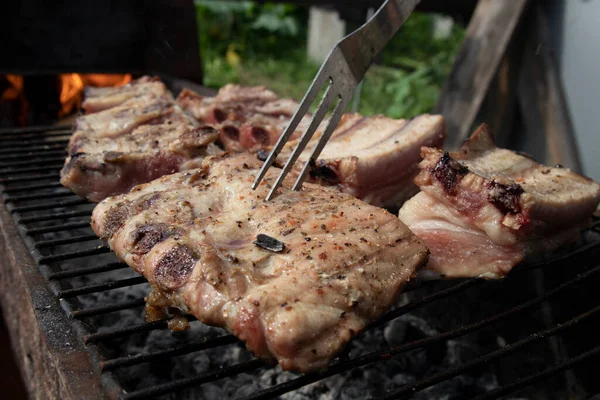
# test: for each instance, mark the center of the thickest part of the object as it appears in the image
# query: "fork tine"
(316, 119)
(333, 122)
(309, 97)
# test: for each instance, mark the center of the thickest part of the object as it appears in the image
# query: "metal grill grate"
(55, 226)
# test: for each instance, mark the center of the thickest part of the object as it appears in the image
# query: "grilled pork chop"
(295, 277)
(145, 137)
(249, 118)
(374, 158)
(483, 209)
(99, 99)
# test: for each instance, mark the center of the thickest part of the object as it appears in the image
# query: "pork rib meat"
(249, 118)
(483, 209)
(141, 139)
(295, 278)
(373, 158)
(102, 98)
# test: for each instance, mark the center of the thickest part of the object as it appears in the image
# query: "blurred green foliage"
(251, 44)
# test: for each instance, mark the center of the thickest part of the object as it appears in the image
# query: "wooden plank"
(542, 100)
(488, 35)
(500, 107)
(53, 361)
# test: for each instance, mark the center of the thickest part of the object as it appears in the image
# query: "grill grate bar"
(36, 149)
(48, 206)
(102, 249)
(35, 169)
(409, 389)
(25, 197)
(28, 188)
(582, 250)
(86, 271)
(45, 129)
(58, 228)
(541, 375)
(92, 311)
(34, 154)
(388, 353)
(26, 136)
(30, 178)
(59, 242)
(33, 142)
(185, 383)
(171, 352)
(144, 327)
(101, 287)
(50, 217)
(9, 167)
(424, 300)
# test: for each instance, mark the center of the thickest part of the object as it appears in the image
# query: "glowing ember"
(15, 88)
(71, 88)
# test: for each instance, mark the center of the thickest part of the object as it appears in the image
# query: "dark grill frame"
(29, 168)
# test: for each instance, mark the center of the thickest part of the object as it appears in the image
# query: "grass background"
(250, 44)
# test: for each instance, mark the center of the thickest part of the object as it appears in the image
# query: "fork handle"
(375, 34)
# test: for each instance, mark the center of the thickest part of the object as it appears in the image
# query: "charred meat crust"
(269, 243)
(73, 161)
(149, 235)
(449, 172)
(175, 266)
(506, 198)
(116, 217)
(324, 173)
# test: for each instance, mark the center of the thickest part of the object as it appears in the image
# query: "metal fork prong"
(307, 100)
(315, 121)
(333, 122)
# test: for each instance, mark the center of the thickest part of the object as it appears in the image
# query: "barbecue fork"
(341, 73)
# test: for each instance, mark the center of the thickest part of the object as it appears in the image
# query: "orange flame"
(71, 88)
(14, 90)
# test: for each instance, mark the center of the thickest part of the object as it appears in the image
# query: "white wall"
(575, 28)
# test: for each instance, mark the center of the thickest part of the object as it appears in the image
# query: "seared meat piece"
(98, 167)
(99, 99)
(140, 135)
(295, 277)
(374, 158)
(483, 209)
(249, 118)
(122, 119)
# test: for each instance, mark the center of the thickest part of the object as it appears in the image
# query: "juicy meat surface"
(144, 138)
(124, 118)
(249, 118)
(483, 209)
(374, 158)
(102, 98)
(328, 265)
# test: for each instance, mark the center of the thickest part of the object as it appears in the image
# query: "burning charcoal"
(395, 332)
(269, 243)
(262, 155)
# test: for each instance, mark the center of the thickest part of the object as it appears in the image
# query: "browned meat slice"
(122, 119)
(249, 118)
(483, 209)
(295, 278)
(374, 158)
(103, 98)
(99, 166)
